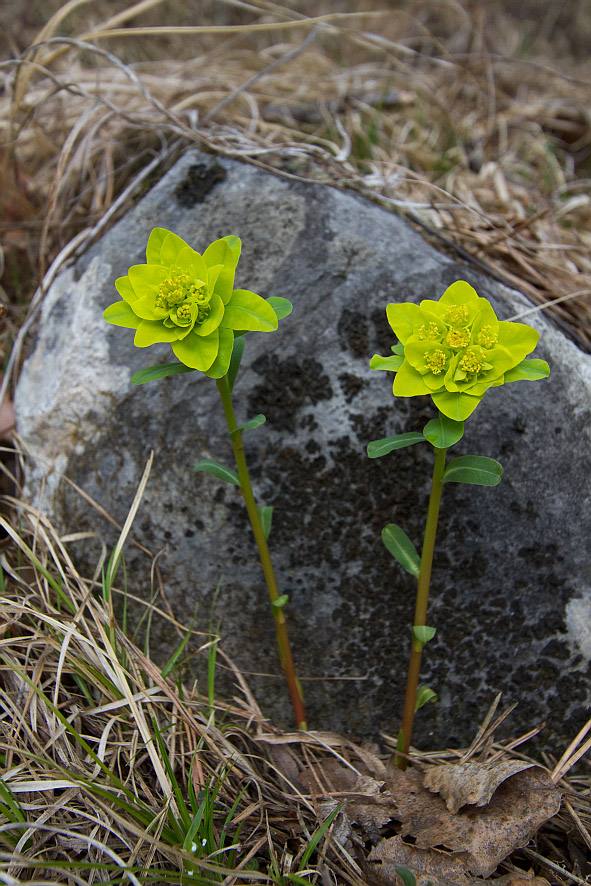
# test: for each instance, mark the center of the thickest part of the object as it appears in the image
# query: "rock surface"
(511, 585)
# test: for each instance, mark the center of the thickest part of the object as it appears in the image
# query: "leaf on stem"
(265, 516)
(217, 470)
(151, 373)
(235, 361)
(377, 448)
(424, 694)
(246, 311)
(475, 469)
(255, 422)
(280, 602)
(528, 370)
(282, 306)
(391, 363)
(423, 633)
(401, 547)
(443, 432)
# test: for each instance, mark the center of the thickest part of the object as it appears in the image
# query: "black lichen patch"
(288, 386)
(383, 334)
(351, 385)
(353, 333)
(201, 178)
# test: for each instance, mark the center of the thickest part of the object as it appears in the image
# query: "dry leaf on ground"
(470, 783)
(370, 805)
(481, 837)
(521, 878)
(431, 866)
(427, 865)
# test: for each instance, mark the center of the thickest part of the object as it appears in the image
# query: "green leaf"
(424, 694)
(398, 349)
(473, 469)
(120, 314)
(401, 318)
(422, 633)
(255, 422)
(528, 370)
(218, 470)
(455, 404)
(407, 877)
(401, 547)
(443, 432)
(247, 311)
(221, 364)
(151, 373)
(235, 361)
(265, 516)
(377, 448)
(391, 363)
(280, 602)
(282, 306)
(235, 245)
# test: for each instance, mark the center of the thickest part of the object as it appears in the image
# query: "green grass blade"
(169, 771)
(317, 837)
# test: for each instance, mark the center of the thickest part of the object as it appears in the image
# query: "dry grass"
(470, 122)
(459, 117)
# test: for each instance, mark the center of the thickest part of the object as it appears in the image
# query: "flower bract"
(455, 349)
(188, 300)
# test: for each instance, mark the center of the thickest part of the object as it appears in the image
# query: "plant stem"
(285, 655)
(414, 665)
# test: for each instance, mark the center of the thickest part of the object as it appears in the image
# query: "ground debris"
(453, 821)
(470, 783)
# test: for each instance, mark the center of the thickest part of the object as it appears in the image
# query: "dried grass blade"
(114, 562)
(140, 720)
(34, 560)
(191, 30)
(553, 301)
(564, 761)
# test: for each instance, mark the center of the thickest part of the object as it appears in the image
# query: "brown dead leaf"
(521, 878)
(332, 776)
(479, 837)
(427, 865)
(432, 866)
(370, 805)
(470, 783)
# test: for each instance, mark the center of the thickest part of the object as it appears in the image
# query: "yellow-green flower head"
(188, 300)
(455, 349)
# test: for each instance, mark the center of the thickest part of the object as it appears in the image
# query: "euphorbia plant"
(454, 349)
(188, 300)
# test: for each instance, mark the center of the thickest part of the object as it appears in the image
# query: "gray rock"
(511, 585)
